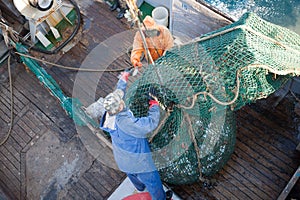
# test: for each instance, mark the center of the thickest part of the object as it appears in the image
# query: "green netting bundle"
(201, 83)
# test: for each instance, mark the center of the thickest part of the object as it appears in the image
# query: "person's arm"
(168, 39)
(137, 50)
(140, 127)
(122, 82)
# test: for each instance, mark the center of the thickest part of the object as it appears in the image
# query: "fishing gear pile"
(201, 84)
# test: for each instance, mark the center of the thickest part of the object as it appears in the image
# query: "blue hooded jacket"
(129, 138)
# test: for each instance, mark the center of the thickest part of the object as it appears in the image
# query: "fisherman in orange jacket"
(158, 39)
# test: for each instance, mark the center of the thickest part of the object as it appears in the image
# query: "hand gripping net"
(203, 83)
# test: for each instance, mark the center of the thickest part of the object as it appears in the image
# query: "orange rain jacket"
(162, 42)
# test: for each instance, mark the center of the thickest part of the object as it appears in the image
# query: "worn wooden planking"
(253, 190)
(282, 114)
(267, 125)
(24, 126)
(7, 187)
(275, 118)
(192, 19)
(211, 193)
(116, 175)
(260, 120)
(267, 158)
(102, 30)
(21, 137)
(19, 96)
(4, 116)
(63, 78)
(196, 192)
(13, 147)
(103, 179)
(38, 116)
(262, 164)
(7, 175)
(5, 108)
(23, 176)
(267, 140)
(21, 133)
(252, 174)
(80, 191)
(233, 186)
(13, 159)
(49, 106)
(5, 99)
(32, 90)
(90, 188)
(112, 177)
(10, 171)
(224, 187)
(35, 94)
(19, 102)
(97, 181)
(263, 173)
(28, 125)
(73, 194)
(17, 138)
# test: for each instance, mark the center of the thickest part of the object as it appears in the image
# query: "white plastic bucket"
(160, 15)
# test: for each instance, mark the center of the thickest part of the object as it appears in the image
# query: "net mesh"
(202, 83)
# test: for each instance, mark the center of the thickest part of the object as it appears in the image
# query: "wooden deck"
(45, 157)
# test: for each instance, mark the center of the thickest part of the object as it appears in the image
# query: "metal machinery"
(11, 13)
(42, 5)
(43, 16)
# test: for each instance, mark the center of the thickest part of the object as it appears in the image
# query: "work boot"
(169, 195)
(114, 7)
(121, 14)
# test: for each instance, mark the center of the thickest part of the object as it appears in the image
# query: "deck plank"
(254, 176)
(252, 189)
(7, 187)
(226, 187)
(13, 148)
(90, 189)
(9, 177)
(262, 164)
(269, 140)
(14, 162)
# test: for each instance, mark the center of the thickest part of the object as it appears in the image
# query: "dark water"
(281, 12)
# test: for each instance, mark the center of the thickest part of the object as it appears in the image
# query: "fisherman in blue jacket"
(129, 140)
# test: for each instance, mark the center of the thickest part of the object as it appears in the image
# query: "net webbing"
(204, 82)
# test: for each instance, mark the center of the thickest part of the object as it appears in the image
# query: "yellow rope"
(274, 71)
(11, 105)
(8, 31)
(159, 126)
(70, 68)
(196, 147)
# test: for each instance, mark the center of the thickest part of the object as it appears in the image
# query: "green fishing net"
(202, 83)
